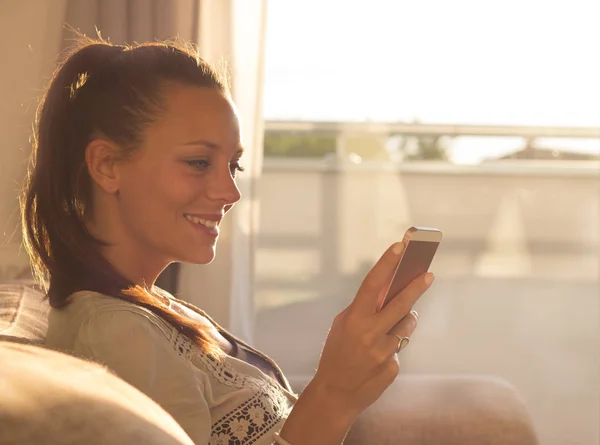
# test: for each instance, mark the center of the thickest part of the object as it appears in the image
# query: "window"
(480, 118)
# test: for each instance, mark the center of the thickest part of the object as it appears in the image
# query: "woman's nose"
(224, 188)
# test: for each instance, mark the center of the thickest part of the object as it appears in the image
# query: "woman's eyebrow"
(202, 142)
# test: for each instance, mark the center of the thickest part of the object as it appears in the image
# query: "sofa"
(50, 397)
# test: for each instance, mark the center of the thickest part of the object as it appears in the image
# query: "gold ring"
(402, 342)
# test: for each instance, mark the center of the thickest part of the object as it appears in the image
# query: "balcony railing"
(434, 129)
(340, 143)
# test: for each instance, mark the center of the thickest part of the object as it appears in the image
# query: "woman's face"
(175, 190)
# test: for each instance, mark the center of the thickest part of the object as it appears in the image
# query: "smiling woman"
(134, 167)
(110, 176)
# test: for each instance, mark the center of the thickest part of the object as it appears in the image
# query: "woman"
(134, 166)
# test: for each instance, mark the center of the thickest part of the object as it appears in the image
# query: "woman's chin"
(202, 256)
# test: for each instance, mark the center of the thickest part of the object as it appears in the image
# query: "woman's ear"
(101, 157)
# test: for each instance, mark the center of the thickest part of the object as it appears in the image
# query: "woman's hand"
(359, 358)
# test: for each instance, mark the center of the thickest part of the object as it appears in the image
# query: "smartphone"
(421, 244)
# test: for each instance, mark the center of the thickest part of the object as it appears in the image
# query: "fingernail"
(415, 313)
(429, 278)
(398, 248)
(403, 343)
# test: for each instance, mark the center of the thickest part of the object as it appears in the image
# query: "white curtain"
(234, 30)
(225, 30)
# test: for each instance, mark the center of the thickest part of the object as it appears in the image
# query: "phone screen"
(415, 261)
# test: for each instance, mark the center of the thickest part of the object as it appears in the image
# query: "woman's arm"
(316, 419)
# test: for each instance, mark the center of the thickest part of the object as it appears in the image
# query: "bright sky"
(524, 62)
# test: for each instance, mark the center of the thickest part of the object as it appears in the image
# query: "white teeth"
(209, 224)
(205, 222)
(192, 219)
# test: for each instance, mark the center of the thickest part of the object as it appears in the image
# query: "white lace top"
(216, 402)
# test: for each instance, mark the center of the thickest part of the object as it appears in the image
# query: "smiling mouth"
(204, 222)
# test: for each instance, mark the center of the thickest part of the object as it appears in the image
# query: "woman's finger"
(377, 278)
(401, 332)
(400, 306)
(407, 325)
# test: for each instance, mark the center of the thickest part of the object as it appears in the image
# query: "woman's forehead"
(197, 113)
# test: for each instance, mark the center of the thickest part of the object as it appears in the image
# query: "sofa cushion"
(47, 397)
(23, 311)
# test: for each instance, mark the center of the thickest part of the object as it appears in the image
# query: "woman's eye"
(201, 164)
(235, 167)
(198, 163)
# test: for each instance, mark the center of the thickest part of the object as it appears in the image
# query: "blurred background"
(481, 118)
(367, 117)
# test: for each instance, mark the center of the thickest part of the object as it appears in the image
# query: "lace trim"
(248, 422)
(252, 419)
(220, 369)
(223, 371)
(183, 346)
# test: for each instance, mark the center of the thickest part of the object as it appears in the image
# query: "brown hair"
(114, 91)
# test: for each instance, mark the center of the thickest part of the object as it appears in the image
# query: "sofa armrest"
(420, 410)
(444, 410)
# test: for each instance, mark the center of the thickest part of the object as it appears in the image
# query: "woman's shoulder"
(93, 303)
(88, 310)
